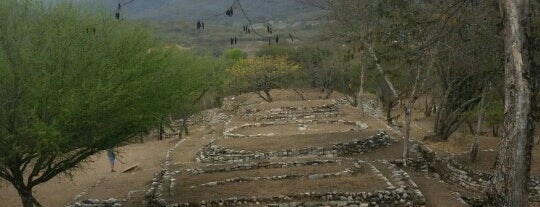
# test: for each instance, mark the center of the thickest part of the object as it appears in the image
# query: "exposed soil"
(347, 183)
(264, 172)
(273, 143)
(95, 180)
(438, 194)
(289, 103)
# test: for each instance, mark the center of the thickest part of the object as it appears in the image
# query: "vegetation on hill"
(175, 20)
(73, 84)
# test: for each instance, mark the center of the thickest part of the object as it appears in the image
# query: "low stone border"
(276, 177)
(228, 133)
(404, 181)
(258, 165)
(286, 116)
(377, 172)
(111, 202)
(452, 172)
(405, 194)
(349, 171)
(384, 198)
(154, 195)
(292, 113)
(214, 153)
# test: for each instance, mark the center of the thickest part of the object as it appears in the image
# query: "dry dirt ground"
(93, 179)
(188, 186)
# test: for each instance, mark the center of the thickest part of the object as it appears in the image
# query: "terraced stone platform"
(282, 154)
(309, 153)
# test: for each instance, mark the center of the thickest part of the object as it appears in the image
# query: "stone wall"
(214, 153)
(404, 193)
(348, 171)
(350, 199)
(111, 202)
(451, 171)
(229, 132)
(454, 173)
(257, 165)
(290, 113)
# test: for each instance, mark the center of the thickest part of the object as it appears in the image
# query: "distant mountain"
(258, 10)
(175, 19)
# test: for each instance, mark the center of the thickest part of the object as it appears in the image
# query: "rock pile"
(379, 140)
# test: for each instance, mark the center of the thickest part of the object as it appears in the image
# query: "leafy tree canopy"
(261, 74)
(73, 84)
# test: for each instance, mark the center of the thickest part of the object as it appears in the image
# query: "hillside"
(175, 20)
(318, 152)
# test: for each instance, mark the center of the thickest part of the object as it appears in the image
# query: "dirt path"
(94, 180)
(438, 194)
(185, 153)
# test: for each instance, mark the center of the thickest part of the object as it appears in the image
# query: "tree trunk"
(267, 96)
(161, 130)
(495, 130)
(27, 198)
(471, 128)
(473, 153)
(360, 103)
(514, 159)
(388, 109)
(408, 108)
(428, 110)
(439, 114)
(379, 68)
(328, 92)
(299, 93)
(184, 127)
(406, 138)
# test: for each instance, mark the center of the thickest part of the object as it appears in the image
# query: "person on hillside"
(112, 158)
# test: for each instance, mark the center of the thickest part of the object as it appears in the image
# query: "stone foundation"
(258, 165)
(215, 153)
(290, 113)
(379, 198)
(229, 133)
(404, 193)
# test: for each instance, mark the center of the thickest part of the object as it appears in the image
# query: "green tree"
(71, 85)
(311, 60)
(194, 79)
(261, 74)
(234, 54)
